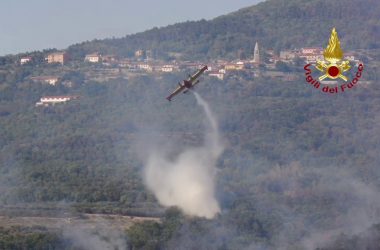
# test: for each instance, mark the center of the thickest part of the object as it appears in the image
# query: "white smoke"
(99, 237)
(188, 180)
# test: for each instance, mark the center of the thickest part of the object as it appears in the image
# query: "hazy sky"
(27, 25)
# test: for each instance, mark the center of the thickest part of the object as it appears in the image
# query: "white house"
(311, 55)
(287, 55)
(217, 73)
(145, 66)
(168, 68)
(25, 60)
(311, 50)
(92, 58)
(52, 100)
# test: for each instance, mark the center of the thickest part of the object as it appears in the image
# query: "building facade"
(57, 57)
(53, 100)
(92, 58)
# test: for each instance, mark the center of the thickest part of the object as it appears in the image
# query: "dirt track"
(84, 221)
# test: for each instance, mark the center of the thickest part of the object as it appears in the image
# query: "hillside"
(300, 168)
(294, 155)
(277, 24)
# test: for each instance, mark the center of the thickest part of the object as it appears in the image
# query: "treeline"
(276, 24)
(30, 238)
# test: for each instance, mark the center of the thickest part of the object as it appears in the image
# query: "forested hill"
(274, 24)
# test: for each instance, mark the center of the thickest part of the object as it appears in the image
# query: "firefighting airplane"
(187, 84)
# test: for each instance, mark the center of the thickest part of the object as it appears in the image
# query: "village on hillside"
(258, 63)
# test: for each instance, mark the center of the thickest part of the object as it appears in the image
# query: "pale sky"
(27, 25)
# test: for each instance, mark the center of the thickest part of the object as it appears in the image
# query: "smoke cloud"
(99, 237)
(187, 181)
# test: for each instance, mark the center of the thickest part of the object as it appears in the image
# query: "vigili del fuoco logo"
(333, 67)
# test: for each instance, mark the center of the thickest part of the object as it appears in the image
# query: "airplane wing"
(197, 74)
(176, 92)
(196, 82)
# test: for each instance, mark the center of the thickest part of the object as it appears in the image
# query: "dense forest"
(277, 24)
(295, 159)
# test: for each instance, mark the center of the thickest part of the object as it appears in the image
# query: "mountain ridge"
(277, 24)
